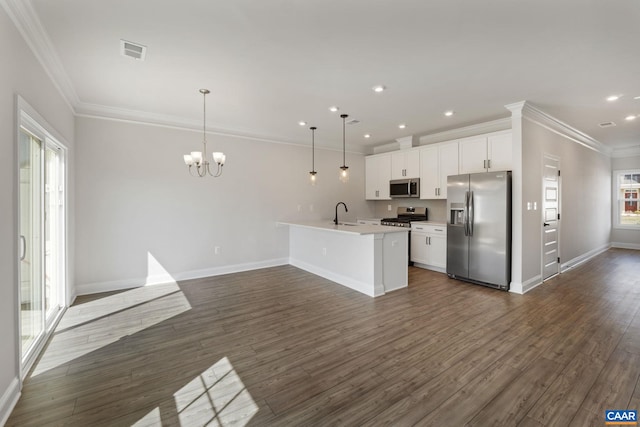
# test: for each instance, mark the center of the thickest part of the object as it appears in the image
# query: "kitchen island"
(371, 259)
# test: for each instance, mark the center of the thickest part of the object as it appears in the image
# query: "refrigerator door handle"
(471, 219)
(465, 215)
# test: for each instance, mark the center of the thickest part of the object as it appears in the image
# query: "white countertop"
(352, 228)
(441, 223)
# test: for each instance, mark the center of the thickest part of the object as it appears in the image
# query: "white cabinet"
(377, 177)
(500, 152)
(485, 153)
(405, 164)
(429, 246)
(437, 162)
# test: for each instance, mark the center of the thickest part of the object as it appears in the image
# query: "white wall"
(20, 74)
(135, 199)
(619, 237)
(585, 199)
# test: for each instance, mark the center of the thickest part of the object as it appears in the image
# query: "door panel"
(31, 266)
(457, 241)
(550, 209)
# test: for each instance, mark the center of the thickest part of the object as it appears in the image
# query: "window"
(627, 193)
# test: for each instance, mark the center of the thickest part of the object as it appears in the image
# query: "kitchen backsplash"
(436, 208)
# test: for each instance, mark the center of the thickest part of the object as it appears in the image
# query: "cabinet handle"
(426, 240)
(419, 228)
(438, 229)
(489, 164)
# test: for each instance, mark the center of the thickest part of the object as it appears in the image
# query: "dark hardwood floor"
(283, 347)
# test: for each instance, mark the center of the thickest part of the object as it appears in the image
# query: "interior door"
(551, 216)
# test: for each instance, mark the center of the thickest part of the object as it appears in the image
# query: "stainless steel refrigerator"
(479, 228)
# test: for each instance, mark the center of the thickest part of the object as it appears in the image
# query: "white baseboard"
(622, 245)
(117, 285)
(8, 400)
(349, 282)
(526, 286)
(430, 267)
(583, 258)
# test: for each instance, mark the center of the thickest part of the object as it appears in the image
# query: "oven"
(403, 219)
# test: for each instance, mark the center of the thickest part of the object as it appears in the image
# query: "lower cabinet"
(429, 246)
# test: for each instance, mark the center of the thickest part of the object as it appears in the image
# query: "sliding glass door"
(31, 227)
(42, 254)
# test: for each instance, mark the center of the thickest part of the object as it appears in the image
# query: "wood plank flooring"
(283, 347)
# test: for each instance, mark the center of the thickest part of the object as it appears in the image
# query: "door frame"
(27, 117)
(542, 219)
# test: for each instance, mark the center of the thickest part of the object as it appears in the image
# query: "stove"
(405, 216)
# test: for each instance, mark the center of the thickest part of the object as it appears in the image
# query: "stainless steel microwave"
(404, 188)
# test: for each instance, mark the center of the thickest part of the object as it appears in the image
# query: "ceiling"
(272, 63)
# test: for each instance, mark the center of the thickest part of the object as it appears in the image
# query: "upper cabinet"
(437, 162)
(377, 176)
(486, 153)
(405, 164)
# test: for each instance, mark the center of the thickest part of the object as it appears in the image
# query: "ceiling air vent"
(133, 50)
(353, 122)
(607, 124)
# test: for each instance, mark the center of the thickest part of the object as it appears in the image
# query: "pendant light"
(344, 169)
(313, 173)
(199, 158)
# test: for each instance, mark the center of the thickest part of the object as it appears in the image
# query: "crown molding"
(466, 131)
(101, 112)
(629, 151)
(526, 110)
(26, 20)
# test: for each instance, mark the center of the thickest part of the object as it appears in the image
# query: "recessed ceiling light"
(333, 109)
(629, 118)
(402, 126)
(636, 97)
(448, 113)
(366, 135)
(379, 88)
(302, 123)
(613, 98)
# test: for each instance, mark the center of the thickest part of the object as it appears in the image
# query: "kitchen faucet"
(335, 220)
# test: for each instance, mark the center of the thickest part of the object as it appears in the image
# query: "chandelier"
(199, 158)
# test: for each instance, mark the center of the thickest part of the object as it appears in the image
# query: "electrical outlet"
(216, 250)
(389, 208)
(324, 251)
(299, 208)
(310, 208)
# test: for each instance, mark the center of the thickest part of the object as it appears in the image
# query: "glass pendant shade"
(344, 174)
